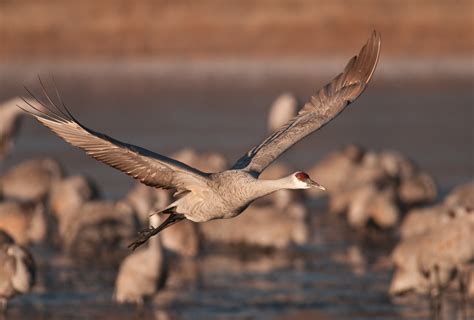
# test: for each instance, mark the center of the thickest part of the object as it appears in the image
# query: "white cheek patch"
(304, 185)
(300, 184)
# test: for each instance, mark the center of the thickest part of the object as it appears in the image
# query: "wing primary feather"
(148, 167)
(42, 113)
(35, 98)
(45, 93)
(61, 100)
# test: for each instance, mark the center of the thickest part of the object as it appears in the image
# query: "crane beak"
(314, 184)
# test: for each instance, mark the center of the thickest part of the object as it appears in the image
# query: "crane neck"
(265, 187)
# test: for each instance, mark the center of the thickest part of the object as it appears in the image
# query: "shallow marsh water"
(338, 275)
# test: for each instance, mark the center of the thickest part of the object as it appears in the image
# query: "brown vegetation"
(210, 28)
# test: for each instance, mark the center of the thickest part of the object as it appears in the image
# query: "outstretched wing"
(150, 168)
(323, 107)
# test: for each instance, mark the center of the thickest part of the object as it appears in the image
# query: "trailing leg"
(144, 235)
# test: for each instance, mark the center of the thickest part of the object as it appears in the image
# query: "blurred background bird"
(17, 270)
(10, 118)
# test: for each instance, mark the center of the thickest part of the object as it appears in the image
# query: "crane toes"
(146, 234)
(146, 231)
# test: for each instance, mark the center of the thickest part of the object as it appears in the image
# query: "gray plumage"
(10, 117)
(205, 196)
(323, 107)
(142, 273)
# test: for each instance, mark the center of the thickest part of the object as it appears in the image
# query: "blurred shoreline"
(419, 72)
(301, 29)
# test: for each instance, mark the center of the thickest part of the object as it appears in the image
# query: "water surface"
(338, 275)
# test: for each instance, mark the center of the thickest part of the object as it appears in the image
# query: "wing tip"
(49, 109)
(361, 68)
(375, 42)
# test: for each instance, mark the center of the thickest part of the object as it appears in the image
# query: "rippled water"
(338, 275)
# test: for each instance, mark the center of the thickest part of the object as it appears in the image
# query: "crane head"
(305, 182)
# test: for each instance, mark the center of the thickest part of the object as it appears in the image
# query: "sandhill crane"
(428, 262)
(67, 197)
(415, 186)
(31, 180)
(17, 270)
(372, 186)
(283, 109)
(183, 239)
(282, 198)
(101, 230)
(458, 203)
(333, 170)
(25, 222)
(203, 196)
(461, 196)
(142, 272)
(263, 226)
(90, 227)
(10, 117)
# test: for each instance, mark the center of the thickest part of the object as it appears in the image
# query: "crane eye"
(302, 176)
